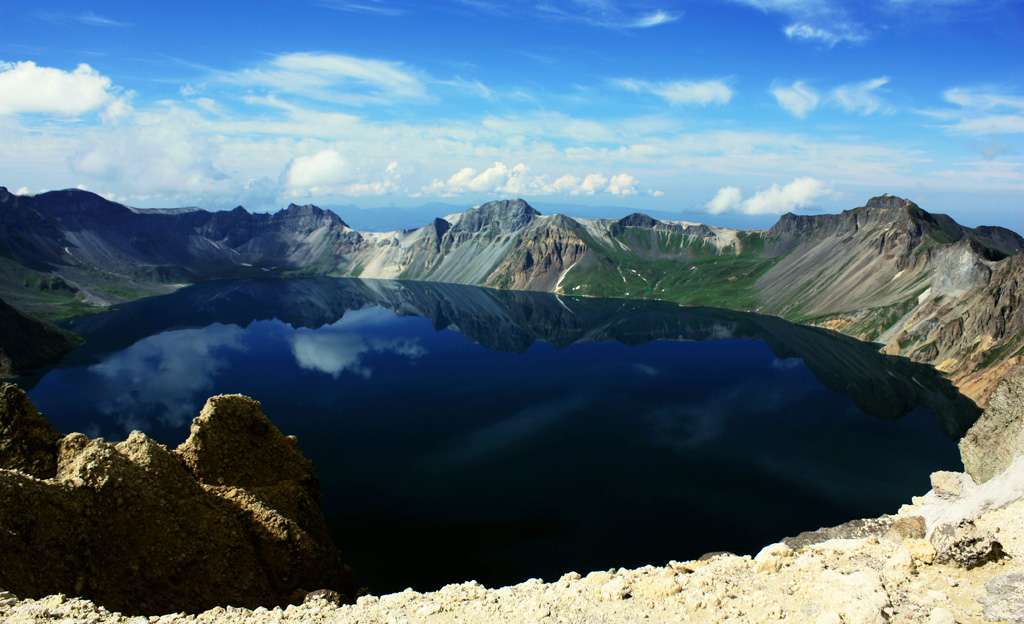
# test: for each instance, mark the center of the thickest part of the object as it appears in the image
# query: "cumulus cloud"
(727, 199)
(593, 183)
(323, 168)
(622, 185)
(518, 181)
(798, 99)
(680, 93)
(799, 193)
(27, 88)
(860, 97)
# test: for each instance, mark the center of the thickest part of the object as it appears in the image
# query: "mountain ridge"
(886, 271)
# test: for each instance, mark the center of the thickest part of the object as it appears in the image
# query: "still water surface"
(463, 433)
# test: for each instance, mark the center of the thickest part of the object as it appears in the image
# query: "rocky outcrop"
(28, 442)
(997, 438)
(142, 529)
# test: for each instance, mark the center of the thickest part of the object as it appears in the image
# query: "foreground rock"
(889, 579)
(138, 528)
(997, 438)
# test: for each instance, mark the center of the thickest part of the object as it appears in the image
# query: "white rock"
(941, 616)
(771, 557)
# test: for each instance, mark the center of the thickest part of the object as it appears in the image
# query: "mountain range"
(919, 284)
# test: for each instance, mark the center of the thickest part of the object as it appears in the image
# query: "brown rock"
(28, 442)
(906, 527)
(129, 526)
(233, 444)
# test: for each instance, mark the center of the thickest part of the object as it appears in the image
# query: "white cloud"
(798, 99)
(679, 93)
(799, 193)
(829, 36)
(622, 185)
(320, 169)
(727, 199)
(654, 19)
(518, 181)
(983, 100)
(860, 97)
(592, 184)
(27, 88)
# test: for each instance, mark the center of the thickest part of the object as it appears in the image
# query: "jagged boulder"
(131, 527)
(965, 545)
(997, 438)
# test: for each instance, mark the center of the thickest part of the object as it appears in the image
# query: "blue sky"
(731, 111)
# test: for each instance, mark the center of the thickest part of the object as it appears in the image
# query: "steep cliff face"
(118, 523)
(541, 257)
(973, 338)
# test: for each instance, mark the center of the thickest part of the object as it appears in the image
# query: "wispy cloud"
(823, 21)
(798, 99)
(88, 18)
(861, 97)
(607, 13)
(829, 36)
(333, 78)
(679, 93)
(376, 7)
(981, 110)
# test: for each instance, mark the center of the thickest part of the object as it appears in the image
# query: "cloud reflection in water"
(342, 346)
(163, 374)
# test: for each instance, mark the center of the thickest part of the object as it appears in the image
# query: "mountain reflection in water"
(544, 434)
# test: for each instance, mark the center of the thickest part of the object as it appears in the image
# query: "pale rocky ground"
(891, 579)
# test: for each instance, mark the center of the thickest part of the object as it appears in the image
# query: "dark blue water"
(443, 459)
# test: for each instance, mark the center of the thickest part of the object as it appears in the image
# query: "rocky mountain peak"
(310, 212)
(506, 215)
(638, 219)
(890, 202)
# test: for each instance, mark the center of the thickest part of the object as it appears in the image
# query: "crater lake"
(465, 433)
